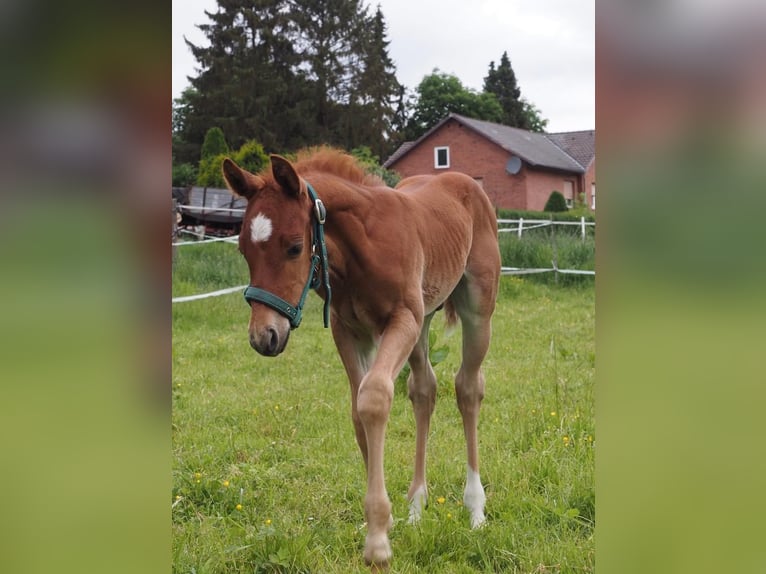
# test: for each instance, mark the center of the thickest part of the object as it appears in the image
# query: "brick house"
(518, 169)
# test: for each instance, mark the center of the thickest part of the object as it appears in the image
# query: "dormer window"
(441, 157)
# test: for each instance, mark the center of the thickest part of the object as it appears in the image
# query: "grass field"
(267, 476)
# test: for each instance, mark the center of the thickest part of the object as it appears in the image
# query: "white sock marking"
(260, 228)
(474, 497)
(417, 504)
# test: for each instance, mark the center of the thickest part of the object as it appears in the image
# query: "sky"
(550, 43)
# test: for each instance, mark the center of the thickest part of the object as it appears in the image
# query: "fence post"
(521, 225)
(582, 226)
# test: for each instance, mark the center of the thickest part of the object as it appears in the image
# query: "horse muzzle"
(269, 340)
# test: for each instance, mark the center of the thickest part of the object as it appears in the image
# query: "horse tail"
(450, 314)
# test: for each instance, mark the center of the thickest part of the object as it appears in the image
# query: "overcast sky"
(550, 44)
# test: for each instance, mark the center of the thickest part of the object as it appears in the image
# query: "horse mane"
(334, 161)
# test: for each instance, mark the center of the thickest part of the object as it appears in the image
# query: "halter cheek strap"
(314, 281)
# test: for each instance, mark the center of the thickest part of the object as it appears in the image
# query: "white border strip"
(206, 295)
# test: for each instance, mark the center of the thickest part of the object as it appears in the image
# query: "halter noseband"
(294, 314)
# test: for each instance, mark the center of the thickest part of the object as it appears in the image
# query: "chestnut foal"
(384, 261)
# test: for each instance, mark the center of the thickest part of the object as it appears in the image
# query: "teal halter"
(318, 260)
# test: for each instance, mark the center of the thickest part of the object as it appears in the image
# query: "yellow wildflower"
(267, 521)
(441, 500)
(238, 507)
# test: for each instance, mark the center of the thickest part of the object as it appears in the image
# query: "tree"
(214, 144)
(533, 119)
(247, 82)
(440, 94)
(517, 112)
(292, 73)
(186, 144)
(374, 91)
(556, 202)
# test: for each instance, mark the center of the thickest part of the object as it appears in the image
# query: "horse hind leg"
(474, 306)
(421, 386)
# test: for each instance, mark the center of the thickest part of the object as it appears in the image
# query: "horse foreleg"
(374, 405)
(355, 354)
(421, 385)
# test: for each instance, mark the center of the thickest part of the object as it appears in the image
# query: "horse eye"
(295, 250)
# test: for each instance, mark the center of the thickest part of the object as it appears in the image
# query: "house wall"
(481, 159)
(541, 183)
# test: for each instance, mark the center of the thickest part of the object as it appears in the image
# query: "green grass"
(275, 437)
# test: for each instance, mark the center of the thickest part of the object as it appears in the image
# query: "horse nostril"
(273, 340)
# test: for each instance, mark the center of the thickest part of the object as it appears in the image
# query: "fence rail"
(537, 223)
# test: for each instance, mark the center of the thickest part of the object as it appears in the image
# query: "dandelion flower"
(197, 475)
(226, 483)
(566, 440)
(267, 521)
(441, 500)
(449, 516)
(276, 407)
(553, 413)
(178, 497)
(238, 507)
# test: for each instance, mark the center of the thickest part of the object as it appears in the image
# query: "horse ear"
(285, 175)
(239, 180)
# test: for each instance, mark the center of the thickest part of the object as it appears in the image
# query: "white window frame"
(436, 157)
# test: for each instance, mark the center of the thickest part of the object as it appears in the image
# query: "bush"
(371, 164)
(571, 215)
(210, 172)
(184, 175)
(556, 203)
(250, 156)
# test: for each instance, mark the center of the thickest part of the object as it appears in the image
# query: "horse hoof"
(377, 552)
(478, 520)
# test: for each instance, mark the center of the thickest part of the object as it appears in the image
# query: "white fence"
(517, 226)
(536, 223)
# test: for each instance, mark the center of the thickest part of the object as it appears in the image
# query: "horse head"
(276, 242)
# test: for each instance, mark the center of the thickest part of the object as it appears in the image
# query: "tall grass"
(205, 267)
(539, 248)
(267, 476)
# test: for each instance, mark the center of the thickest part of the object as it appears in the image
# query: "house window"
(593, 196)
(441, 157)
(569, 193)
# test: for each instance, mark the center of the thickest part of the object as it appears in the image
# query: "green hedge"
(565, 216)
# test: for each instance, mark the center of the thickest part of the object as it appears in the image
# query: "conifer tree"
(517, 112)
(375, 89)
